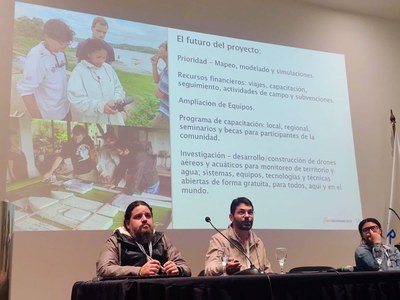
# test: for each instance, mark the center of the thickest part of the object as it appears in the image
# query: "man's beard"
(244, 225)
(144, 237)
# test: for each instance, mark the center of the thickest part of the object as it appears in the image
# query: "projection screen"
(229, 118)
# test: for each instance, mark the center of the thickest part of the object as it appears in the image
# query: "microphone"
(250, 271)
(340, 269)
(345, 269)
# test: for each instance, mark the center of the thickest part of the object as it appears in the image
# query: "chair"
(311, 269)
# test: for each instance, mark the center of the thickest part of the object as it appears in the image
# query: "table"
(310, 286)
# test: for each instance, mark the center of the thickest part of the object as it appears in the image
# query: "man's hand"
(376, 237)
(154, 59)
(31, 106)
(170, 268)
(109, 109)
(46, 176)
(150, 268)
(232, 266)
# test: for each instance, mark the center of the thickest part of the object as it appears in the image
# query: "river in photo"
(133, 61)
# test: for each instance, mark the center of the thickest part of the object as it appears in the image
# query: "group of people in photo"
(121, 159)
(88, 106)
(138, 249)
(93, 92)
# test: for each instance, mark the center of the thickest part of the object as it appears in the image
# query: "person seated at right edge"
(240, 234)
(371, 238)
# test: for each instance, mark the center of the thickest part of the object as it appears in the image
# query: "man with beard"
(136, 249)
(238, 233)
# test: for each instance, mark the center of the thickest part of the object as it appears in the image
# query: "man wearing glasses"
(237, 240)
(43, 86)
(371, 254)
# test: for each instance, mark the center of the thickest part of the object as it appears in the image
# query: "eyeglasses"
(367, 229)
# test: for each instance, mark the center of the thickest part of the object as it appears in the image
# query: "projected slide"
(215, 118)
(265, 121)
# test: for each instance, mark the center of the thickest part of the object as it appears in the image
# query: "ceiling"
(387, 9)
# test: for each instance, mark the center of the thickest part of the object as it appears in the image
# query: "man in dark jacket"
(136, 249)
